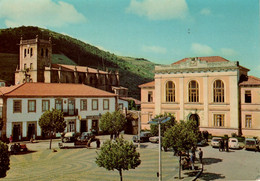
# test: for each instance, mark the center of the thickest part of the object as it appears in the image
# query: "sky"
(162, 31)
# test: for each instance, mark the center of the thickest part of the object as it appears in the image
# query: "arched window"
(31, 52)
(170, 91)
(24, 52)
(218, 91)
(193, 91)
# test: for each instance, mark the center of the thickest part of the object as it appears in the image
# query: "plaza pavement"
(79, 164)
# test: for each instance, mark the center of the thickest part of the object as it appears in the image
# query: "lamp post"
(159, 121)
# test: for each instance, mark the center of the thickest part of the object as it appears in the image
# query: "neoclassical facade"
(217, 93)
(35, 65)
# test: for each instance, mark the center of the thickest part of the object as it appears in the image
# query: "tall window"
(193, 91)
(170, 91)
(58, 104)
(150, 96)
(71, 106)
(45, 105)
(94, 104)
(31, 105)
(219, 120)
(83, 104)
(24, 52)
(106, 104)
(71, 126)
(248, 123)
(248, 96)
(17, 106)
(31, 52)
(218, 91)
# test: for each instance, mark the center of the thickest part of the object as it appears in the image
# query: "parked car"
(233, 143)
(202, 142)
(154, 139)
(215, 141)
(144, 137)
(251, 144)
(69, 137)
(86, 136)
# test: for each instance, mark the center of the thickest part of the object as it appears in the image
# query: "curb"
(199, 173)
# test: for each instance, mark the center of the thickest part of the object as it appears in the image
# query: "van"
(251, 144)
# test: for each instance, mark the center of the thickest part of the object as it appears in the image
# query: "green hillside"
(67, 50)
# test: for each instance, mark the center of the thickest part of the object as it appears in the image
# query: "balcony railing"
(70, 112)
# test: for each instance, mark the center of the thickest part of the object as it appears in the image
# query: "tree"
(182, 137)
(113, 123)
(4, 159)
(164, 126)
(119, 154)
(51, 122)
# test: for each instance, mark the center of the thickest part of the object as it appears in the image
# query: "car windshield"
(215, 139)
(233, 141)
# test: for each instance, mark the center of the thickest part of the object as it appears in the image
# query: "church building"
(215, 92)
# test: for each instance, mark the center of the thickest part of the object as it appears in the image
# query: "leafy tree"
(113, 123)
(131, 105)
(182, 137)
(164, 126)
(51, 122)
(119, 154)
(4, 159)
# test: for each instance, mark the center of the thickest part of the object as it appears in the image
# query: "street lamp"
(159, 121)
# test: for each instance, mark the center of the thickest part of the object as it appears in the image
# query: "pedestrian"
(222, 145)
(10, 139)
(200, 155)
(219, 145)
(227, 148)
(192, 159)
(98, 143)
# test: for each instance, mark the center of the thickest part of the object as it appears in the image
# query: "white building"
(23, 105)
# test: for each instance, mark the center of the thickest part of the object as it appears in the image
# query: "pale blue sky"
(162, 31)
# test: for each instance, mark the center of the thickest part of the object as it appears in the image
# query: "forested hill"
(67, 50)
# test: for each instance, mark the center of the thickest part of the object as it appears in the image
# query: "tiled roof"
(79, 68)
(207, 59)
(4, 90)
(149, 84)
(251, 80)
(57, 90)
(131, 98)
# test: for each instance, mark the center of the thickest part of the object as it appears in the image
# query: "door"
(83, 126)
(95, 126)
(31, 131)
(17, 132)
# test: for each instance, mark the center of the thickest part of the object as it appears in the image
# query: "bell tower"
(35, 56)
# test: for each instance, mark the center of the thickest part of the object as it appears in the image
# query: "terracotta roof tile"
(251, 80)
(79, 68)
(57, 90)
(149, 84)
(207, 59)
(131, 98)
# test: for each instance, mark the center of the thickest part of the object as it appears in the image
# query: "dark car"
(69, 137)
(85, 138)
(144, 137)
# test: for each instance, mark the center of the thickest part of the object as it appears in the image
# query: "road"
(232, 165)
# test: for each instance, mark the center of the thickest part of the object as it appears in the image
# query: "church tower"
(34, 59)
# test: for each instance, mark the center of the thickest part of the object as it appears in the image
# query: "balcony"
(70, 112)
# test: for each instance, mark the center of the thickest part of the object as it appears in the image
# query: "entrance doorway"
(196, 118)
(95, 126)
(31, 130)
(17, 130)
(83, 126)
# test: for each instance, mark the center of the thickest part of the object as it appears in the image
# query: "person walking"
(219, 145)
(98, 143)
(192, 159)
(227, 148)
(200, 155)
(10, 139)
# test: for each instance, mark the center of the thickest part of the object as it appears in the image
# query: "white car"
(154, 139)
(233, 143)
(215, 141)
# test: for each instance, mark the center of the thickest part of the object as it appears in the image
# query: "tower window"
(24, 52)
(31, 52)
(28, 51)
(42, 52)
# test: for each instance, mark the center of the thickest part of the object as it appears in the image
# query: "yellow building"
(215, 92)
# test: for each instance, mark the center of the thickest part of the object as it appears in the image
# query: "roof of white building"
(53, 90)
(206, 59)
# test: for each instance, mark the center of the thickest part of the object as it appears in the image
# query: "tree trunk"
(51, 139)
(180, 167)
(120, 173)
(111, 136)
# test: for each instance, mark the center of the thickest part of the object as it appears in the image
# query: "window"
(58, 104)
(193, 91)
(42, 53)
(170, 91)
(150, 96)
(1, 112)
(28, 51)
(248, 123)
(94, 104)
(17, 106)
(83, 104)
(106, 104)
(45, 105)
(248, 96)
(218, 91)
(71, 107)
(31, 105)
(24, 52)
(219, 120)
(31, 52)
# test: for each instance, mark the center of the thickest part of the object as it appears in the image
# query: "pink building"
(217, 93)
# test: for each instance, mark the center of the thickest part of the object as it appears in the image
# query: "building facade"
(218, 94)
(35, 65)
(22, 105)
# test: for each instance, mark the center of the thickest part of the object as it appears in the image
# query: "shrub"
(234, 134)
(4, 159)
